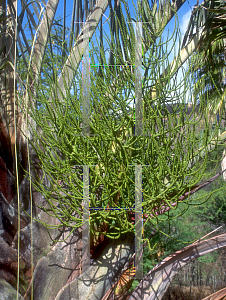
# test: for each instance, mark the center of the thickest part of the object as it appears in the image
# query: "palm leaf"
(75, 56)
(155, 283)
(72, 23)
(64, 33)
(219, 295)
(78, 6)
(30, 15)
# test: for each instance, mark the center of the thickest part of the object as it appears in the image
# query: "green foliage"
(208, 258)
(174, 233)
(198, 220)
(167, 146)
(214, 211)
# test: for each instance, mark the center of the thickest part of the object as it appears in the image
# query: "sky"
(183, 13)
(183, 16)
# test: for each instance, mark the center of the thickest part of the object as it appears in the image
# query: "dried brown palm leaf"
(155, 283)
(219, 295)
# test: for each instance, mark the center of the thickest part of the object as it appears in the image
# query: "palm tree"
(210, 17)
(204, 45)
(32, 17)
(210, 73)
(14, 222)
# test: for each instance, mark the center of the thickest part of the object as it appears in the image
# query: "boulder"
(98, 279)
(7, 292)
(42, 238)
(60, 266)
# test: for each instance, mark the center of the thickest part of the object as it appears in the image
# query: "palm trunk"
(7, 76)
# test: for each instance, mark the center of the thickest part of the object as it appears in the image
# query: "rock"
(97, 280)
(24, 190)
(42, 238)
(9, 220)
(58, 268)
(9, 266)
(7, 292)
(42, 242)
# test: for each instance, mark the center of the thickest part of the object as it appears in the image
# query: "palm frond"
(155, 283)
